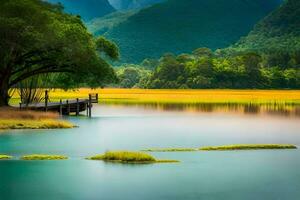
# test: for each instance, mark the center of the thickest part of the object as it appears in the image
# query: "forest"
(205, 69)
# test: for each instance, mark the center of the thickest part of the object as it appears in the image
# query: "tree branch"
(41, 70)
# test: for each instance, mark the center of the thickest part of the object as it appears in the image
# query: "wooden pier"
(65, 107)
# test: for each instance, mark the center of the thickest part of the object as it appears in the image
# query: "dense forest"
(207, 69)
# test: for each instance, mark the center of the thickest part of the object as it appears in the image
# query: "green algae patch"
(34, 124)
(128, 157)
(170, 150)
(43, 157)
(248, 147)
(5, 157)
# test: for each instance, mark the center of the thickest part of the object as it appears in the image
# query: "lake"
(234, 175)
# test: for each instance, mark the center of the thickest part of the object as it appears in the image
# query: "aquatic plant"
(170, 150)
(43, 157)
(128, 157)
(5, 157)
(248, 147)
(216, 96)
(34, 124)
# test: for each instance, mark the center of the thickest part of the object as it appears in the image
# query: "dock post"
(46, 100)
(90, 105)
(77, 107)
(97, 98)
(68, 108)
(60, 108)
(86, 104)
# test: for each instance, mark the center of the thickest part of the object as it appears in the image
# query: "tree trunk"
(4, 87)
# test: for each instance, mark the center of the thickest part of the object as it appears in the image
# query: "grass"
(11, 118)
(129, 157)
(248, 147)
(43, 157)
(171, 150)
(34, 124)
(5, 157)
(143, 96)
(14, 113)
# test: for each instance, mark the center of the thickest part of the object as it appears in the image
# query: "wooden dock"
(65, 107)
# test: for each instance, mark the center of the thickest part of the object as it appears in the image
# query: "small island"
(43, 157)
(248, 147)
(5, 157)
(129, 157)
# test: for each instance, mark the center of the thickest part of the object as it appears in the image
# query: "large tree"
(39, 38)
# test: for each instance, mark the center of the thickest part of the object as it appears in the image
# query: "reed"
(34, 124)
(217, 96)
(129, 157)
(43, 157)
(14, 113)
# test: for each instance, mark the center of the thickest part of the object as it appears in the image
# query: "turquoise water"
(270, 174)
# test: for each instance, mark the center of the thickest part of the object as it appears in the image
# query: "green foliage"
(278, 34)
(249, 147)
(39, 38)
(131, 76)
(206, 69)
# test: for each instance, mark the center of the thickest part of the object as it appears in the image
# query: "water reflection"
(288, 110)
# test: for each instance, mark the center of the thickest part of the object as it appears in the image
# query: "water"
(269, 174)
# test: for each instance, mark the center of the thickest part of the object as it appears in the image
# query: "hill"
(86, 9)
(279, 31)
(183, 25)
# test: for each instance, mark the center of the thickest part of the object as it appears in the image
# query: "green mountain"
(183, 25)
(87, 9)
(279, 31)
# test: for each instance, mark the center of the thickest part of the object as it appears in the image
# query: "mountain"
(182, 25)
(87, 9)
(132, 4)
(279, 31)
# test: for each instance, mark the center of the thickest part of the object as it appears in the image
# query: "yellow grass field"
(142, 96)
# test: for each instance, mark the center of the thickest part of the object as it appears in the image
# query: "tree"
(252, 66)
(37, 38)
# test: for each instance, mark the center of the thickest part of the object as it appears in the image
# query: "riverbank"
(11, 118)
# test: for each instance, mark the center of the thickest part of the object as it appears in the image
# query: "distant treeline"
(220, 69)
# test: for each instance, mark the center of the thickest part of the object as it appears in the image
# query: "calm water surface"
(270, 174)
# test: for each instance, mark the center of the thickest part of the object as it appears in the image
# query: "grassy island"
(5, 157)
(43, 157)
(15, 119)
(129, 157)
(170, 150)
(248, 147)
(37, 124)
